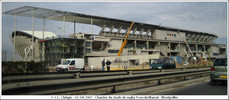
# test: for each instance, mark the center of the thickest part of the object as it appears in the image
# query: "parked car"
(219, 71)
(165, 63)
(72, 64)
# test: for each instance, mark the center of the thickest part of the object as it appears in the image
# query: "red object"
(42, 40)
(71, 67)
(212, 69)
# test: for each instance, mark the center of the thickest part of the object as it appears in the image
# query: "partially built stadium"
(144, 41)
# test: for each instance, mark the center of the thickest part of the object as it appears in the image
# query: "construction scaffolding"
(56, 49)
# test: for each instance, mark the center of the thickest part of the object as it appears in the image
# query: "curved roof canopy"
(37, 34)
(58, 15)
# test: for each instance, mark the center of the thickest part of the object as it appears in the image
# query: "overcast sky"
(208, 17)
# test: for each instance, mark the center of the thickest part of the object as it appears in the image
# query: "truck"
(71, 64)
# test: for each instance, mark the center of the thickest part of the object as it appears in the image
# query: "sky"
(210, 17)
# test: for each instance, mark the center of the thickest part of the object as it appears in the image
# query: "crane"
(125, 41)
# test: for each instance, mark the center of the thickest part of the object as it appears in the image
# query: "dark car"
(219, 70)
(165, 63)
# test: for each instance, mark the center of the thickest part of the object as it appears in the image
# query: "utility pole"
(33, 36)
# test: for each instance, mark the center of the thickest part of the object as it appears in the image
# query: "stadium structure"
(144, 39)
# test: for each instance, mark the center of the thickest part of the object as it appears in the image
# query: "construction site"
(139, 42)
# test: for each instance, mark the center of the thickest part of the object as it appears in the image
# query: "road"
(203, 88)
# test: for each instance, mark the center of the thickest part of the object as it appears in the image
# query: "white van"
(72, 64)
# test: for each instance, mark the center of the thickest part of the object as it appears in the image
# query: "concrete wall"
(215, 49)
(164, 47)
(119, 62)
(124, 52)
(144, 52)
(168, 35)
(115, 44)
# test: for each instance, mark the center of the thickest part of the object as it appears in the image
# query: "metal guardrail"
(9, 78)
(86, 81)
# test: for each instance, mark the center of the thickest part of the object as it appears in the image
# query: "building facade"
(144, 39)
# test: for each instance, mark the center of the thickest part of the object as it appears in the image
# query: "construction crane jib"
(125, 41)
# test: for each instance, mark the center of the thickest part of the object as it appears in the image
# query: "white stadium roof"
(39, 34)
(49, 14)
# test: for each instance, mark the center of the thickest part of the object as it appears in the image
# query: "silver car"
(219, 71)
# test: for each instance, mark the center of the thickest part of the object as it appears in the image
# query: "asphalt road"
(203, 88)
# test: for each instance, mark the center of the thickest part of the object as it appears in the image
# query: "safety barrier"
(85, 83)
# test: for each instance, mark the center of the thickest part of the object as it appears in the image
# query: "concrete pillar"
(169, 48)
(119, 30)
(140, 33)
(152, 32)
(43, 45)
(102, 30)
(179, 46)
(74, 26)
(111, 29)
(133, 33)
(196, 47)
(33, 36)
(204, 48)
(147, 33)
(64, 26)
(159, 43)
